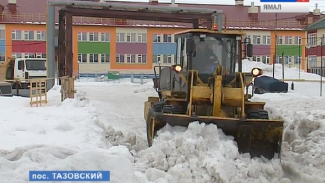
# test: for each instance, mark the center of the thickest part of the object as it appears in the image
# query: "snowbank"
(303, 145)
(57, 136)
(16, 164)
(202, 153)
(289, 73)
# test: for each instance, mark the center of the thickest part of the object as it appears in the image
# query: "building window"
(157, 58)
(82, 58)
(266, 39)
(30, 55)
(167, 38)
(297, 60)
(142, 37)
(29, 35)
(290, 40)
(104, 58)
(288, 60)
(104, 37)
(120, 37)
(119, 58)
(93, 58)
(2, 34)
(297, 40)
(266, 59)
(16, 55)
(16, 35)
(2, 56)
(312, 61)
(280, 39)
(82, 36)
(312, 39)
(41, 35)
(142, 59)
(256, 39)
(131, 37)
(93, 36)
(157, 38)
(130, 59)
(257, 58)
(167, 59)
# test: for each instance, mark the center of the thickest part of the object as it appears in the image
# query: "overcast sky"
(321, 3)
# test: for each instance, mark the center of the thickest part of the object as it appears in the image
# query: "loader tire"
(258, 114)
(151, 132)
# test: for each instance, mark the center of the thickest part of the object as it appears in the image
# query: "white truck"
(18, 70)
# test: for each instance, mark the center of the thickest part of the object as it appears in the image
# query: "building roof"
(320, 24)
(235, 17)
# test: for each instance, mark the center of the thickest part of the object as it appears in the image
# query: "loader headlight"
(257, 72)
(177, 68)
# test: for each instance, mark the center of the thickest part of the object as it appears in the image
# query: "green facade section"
(289, 50)
(94, 47)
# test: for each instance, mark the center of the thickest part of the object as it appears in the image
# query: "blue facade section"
(2, 46)
(164, 48)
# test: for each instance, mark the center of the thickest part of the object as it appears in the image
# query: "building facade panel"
(2, 43)
(164, 48)
(131, 48)
(28, 47)
(261, 50)
(94, 47)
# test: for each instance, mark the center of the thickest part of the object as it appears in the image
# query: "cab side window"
(20, 65)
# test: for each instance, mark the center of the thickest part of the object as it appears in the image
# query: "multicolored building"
(101, 45)
(315, 51)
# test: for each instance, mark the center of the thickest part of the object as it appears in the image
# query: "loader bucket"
(256, 137)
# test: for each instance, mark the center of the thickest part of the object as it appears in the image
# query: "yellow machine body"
(217, 98)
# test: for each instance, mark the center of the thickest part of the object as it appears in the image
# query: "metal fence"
(318, 70)
(112, 76)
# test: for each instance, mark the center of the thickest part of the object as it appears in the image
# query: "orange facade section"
(10, 27)
(289, 33)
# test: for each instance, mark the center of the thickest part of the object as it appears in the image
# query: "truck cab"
(22, 69)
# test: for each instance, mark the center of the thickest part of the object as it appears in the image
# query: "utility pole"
(283, 66)
(299, 57)
(321, 65)
(276, 41)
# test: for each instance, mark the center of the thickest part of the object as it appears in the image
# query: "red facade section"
(316, 51)
(29, 46)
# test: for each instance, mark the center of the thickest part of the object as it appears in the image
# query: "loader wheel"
(151, 132)
(258, 114)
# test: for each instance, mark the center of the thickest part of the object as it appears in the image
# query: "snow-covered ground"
(103, 128)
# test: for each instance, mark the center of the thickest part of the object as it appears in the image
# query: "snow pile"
(57, 136)
(203, 153)
(16, 164)
(289, 73)
(303, 155)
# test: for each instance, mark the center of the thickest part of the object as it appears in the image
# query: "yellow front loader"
(204, 85)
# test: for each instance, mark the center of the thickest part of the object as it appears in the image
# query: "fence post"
(132, 78)
(142, 78)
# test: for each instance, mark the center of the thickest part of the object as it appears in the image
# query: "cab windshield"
(209, 52)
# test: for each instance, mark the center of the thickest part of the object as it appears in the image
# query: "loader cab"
(203, 50)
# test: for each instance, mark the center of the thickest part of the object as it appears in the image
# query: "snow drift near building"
(289, 73)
